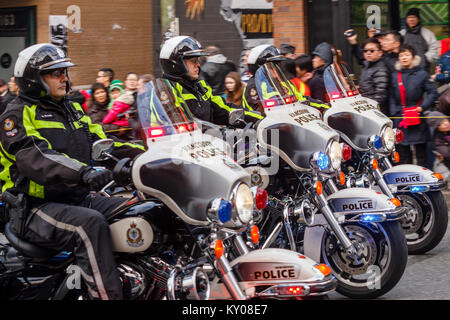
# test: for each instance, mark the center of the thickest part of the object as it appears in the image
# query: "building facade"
(115, 34)
(127, 35)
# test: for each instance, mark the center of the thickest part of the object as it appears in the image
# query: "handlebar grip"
(10, 199)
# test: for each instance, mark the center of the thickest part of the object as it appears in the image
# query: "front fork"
(226, 271)
(332, 221)
(379, 178)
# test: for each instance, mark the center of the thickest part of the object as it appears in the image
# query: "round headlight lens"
(389, 138)
(244, 203)
(335, 154)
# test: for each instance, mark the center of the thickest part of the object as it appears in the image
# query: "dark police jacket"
(46, 146)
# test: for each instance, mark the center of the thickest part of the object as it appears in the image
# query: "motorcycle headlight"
(243, 202)
(335, 155)
(388, 136)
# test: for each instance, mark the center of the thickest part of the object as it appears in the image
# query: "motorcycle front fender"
(267, 272)
(353, 204)
(405, 176)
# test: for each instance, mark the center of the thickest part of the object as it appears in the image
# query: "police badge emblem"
(134, 236)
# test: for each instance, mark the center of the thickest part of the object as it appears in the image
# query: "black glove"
(96, 179)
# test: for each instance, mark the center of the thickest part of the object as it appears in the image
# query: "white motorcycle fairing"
(262, 273)
(351, 204)
(405, 176)
(187, 171)
(356, 119)
(299, 130)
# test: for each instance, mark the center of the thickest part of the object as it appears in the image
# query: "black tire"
(432, 224)
(383, 234)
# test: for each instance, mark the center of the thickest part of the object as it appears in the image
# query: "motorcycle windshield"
(338, 82)
(161, 111)
(273, 88)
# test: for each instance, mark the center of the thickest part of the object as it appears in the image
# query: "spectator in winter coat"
(357, 51)
(440, 132)
(143, 79)
(304, 69)
(11, 94)
(322, 58)
(215, 70)
(374, 80)
(105, 76)
(243, 67)
(419, 93)
(98, 105)
(420, 38)
(390, 44)
(443, 69)
(287, 50)
(288, 67)
(116, 121)
(233, 88)
(116, 89)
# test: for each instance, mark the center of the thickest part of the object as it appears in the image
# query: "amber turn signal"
(326, 270)
(342, 178)
(254, 232)
(218, 249)
(395, 201)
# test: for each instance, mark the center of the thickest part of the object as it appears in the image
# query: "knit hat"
(413, 12)
(323, 50)
(116, 84)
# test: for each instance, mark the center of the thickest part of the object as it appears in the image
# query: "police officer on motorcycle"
(257, 57)
(179, 59)
(46, 143)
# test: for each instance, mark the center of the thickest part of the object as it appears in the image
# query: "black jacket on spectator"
(390, 59)
(214, 72)
(374, 83)
(316, 83)
(418, 85)
(7, 98)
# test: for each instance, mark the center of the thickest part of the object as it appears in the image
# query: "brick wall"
(117, 34)
(290, 24)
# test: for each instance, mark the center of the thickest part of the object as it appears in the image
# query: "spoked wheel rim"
(372, 261)
(419, 218)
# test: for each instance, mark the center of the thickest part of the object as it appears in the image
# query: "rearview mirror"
(99, 147)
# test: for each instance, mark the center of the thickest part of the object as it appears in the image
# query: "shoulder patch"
(253, 92)
(10, 126)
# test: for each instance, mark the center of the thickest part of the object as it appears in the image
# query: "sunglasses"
(194, 60)
(370, 50)
(56, 73)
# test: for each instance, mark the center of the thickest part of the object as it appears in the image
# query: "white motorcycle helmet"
(175, 50)
(262, 54)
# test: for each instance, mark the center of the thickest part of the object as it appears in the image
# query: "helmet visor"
(61, 63)
(194, 53)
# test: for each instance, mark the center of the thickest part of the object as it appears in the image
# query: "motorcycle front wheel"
(378, 265)
(425, 221)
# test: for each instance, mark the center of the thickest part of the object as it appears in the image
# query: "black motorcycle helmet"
(30, 65)
(262, 54)
(175, 50)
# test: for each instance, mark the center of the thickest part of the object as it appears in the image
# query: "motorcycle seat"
(26, 248)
